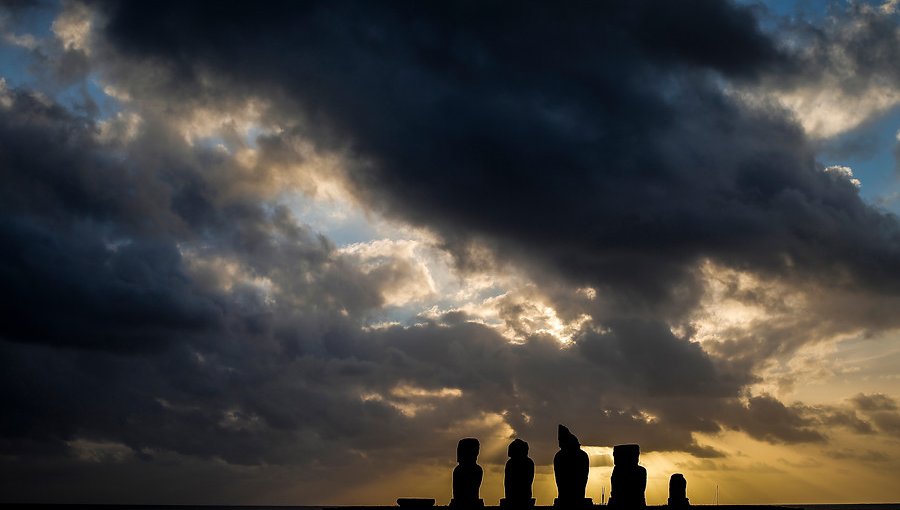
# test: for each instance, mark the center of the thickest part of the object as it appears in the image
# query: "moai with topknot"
(570, 467)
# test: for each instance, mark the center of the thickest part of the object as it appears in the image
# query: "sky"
(292, 252)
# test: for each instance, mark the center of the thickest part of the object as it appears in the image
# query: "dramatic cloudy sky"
(291, 252)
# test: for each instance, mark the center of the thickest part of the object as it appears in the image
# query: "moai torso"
(629, 480)
(519, 472)
(466, 482)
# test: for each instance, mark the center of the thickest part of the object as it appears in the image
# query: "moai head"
(467, 450)
(567, 440)
(626, 454)
(518, 449)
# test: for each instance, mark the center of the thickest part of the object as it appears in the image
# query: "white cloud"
(6, 100)
(825, 110)
(73, 27)
(122, 128)
(399, 266)
(845, 172)
(26, 41)
(889, 6)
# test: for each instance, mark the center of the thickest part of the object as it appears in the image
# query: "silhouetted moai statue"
(570, 466)
(518, 476)
(467, 475)
(678, 491)
(629, 480)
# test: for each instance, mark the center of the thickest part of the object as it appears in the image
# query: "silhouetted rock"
(518, 476)
(678, 491)
(467, 475)
(629, 480)
(570, 466)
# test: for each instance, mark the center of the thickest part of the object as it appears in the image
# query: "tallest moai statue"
(570, 466)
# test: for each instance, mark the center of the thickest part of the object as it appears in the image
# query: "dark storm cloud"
(769, 420)
(67, 287)
(113, 335)
(595, 141)
(854, 45)
(591, 141)
(881, 409)
(108, 324)
(847, 418)
(73, 273)
(874, 402)
(619, 169)
(669, 365)
(94, 236)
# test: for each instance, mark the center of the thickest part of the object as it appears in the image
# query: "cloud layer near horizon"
(620, 174)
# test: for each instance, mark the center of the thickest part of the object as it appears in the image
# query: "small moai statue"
(678, 491)
(570, 467)
(467, 475)
(629, 480)
(518, 476)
